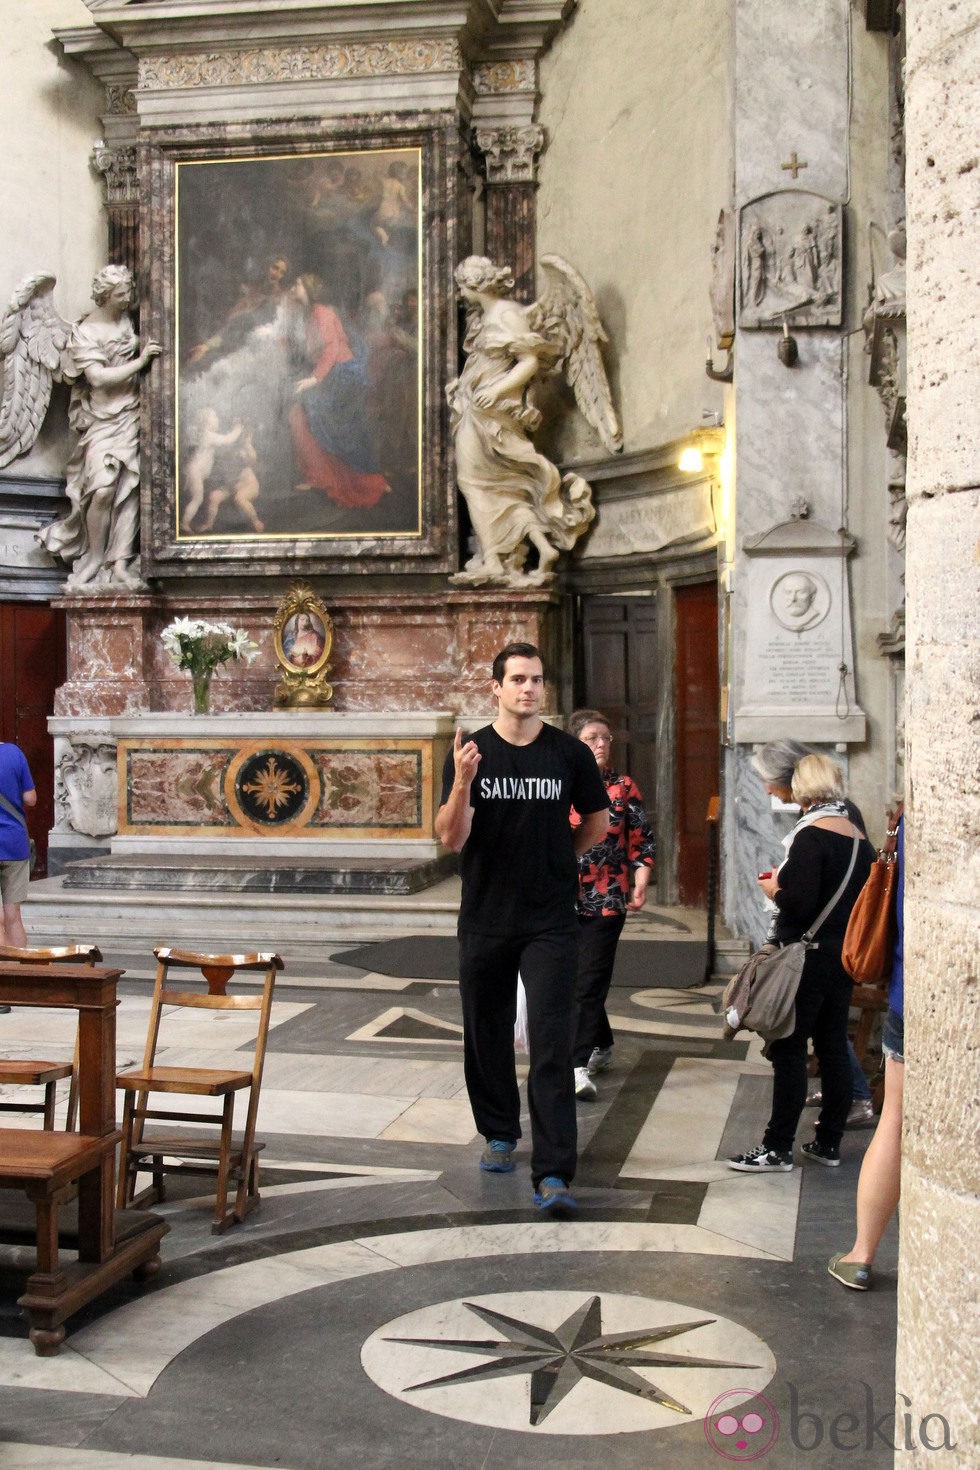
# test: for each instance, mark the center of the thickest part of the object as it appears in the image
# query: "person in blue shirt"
(17, 790)
(879, 1182)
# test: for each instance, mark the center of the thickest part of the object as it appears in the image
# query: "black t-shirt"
(519, 870)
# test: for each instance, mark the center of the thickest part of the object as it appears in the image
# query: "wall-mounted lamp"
(691, 461)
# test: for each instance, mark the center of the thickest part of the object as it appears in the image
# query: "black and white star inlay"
(563, 1362)
(577, 1348)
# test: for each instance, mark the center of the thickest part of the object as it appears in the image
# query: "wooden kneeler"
(233, 1157)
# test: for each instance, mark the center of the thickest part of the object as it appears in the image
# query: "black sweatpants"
(488, 967)
(597, 940)
(822, 1006)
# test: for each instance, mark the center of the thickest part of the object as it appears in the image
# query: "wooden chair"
(234, 1156)
(31, 1073)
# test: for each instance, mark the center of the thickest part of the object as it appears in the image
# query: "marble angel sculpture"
(101, 357)
(514, 495)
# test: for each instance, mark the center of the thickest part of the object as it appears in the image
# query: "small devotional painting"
(298, 399)
(303, 640)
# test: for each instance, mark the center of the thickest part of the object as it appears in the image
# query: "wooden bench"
(48, 1168)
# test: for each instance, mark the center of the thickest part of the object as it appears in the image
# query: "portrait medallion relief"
(799, 600)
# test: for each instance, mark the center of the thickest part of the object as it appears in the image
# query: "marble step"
(136, 872)
(214, 921)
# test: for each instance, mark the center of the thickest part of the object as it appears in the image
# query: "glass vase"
(202, 691)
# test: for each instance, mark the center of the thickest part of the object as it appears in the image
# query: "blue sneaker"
(498, 1156)
(552, 1196)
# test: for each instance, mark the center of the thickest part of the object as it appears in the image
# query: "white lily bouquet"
(203, 647)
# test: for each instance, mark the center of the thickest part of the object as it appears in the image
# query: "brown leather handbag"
(869, 940)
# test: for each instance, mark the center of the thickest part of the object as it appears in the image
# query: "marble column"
(118, 169)
(510, 155)
(938, 1364)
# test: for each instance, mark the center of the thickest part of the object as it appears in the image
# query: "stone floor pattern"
(390, 1305)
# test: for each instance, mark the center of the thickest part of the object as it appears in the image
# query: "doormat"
(666, 964)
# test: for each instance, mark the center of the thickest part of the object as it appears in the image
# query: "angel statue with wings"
(514, 495)
(101, 357)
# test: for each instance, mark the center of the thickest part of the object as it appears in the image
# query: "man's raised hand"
(466, 758)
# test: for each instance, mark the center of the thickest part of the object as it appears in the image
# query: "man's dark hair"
(513, 650)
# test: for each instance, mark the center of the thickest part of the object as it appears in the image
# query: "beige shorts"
(15, 874)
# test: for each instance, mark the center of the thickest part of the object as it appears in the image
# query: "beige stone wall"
(49, 119)
(637, 167)
(939, 1344)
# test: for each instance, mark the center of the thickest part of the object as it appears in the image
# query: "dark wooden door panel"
(32, 665)
(621, 674)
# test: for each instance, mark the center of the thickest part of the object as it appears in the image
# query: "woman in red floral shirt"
(626, 854)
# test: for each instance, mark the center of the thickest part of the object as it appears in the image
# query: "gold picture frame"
(303, 641)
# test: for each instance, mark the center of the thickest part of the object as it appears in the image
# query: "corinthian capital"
(511, 154)
(118, 169)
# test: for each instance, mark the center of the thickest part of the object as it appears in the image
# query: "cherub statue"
(101, 357)
(515, 495)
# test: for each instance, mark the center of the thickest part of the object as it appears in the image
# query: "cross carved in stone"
(795, 164)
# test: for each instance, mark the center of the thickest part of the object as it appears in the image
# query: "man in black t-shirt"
(506, 795)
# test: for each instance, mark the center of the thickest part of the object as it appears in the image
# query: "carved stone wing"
(567, 315)
(32, 340)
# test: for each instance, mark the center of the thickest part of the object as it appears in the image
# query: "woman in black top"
(819, 854)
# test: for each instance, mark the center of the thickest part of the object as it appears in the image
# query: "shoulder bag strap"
(807, 938)
(8, 806)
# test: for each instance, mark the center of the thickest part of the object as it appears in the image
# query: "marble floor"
(390, 1305)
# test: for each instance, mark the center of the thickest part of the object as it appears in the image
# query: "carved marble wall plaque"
(790, 258)
(650, 522)
(797, 679)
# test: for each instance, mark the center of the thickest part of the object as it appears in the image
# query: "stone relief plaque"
(790, 256)
(650, 522)
(87, 786)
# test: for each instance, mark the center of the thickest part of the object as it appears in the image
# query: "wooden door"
(619, 646)
(32, 666)
(696, 726)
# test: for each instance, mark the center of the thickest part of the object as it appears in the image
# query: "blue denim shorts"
(893, 1036)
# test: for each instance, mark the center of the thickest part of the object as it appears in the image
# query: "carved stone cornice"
(498, 78)
(119, 173)
(510, 154)
(314, 62)
(119, 97)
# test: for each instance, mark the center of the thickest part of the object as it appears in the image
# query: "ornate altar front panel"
(300, 782)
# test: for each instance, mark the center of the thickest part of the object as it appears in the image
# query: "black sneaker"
(762, 1160)
(822, 1153)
